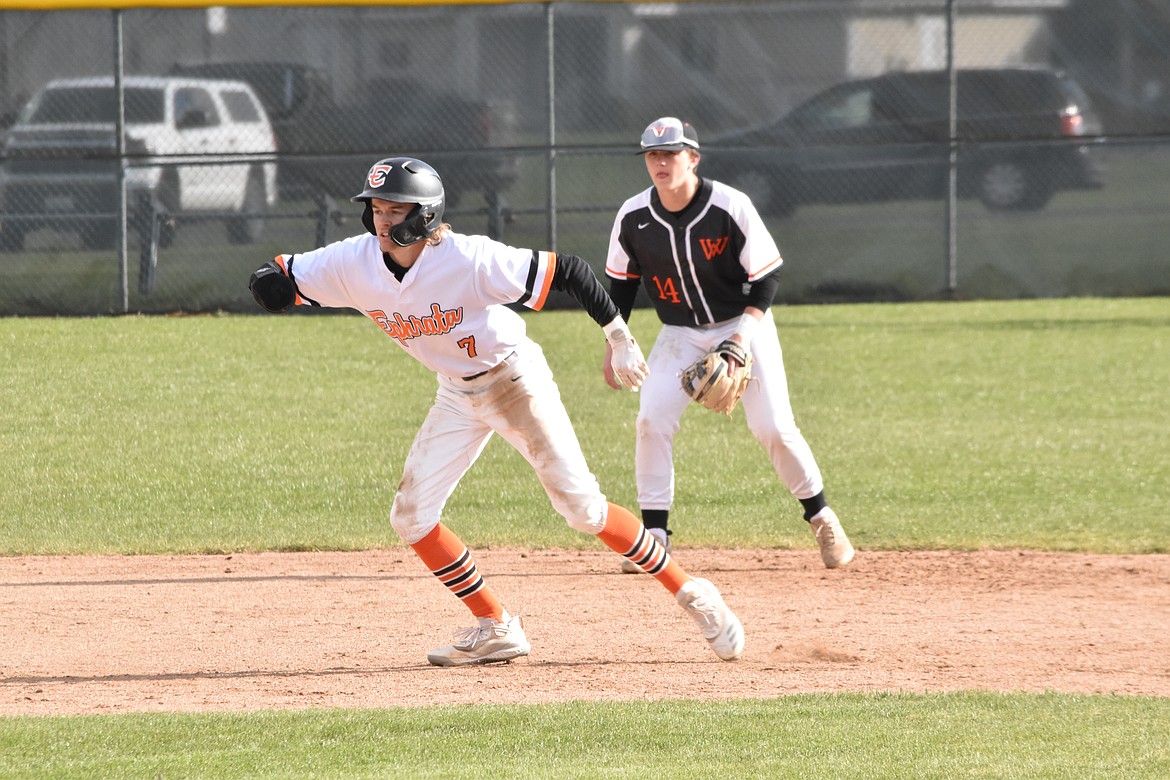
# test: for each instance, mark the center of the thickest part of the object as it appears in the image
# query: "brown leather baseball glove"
(712, 382)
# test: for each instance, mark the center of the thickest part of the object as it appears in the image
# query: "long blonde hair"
(436, 238)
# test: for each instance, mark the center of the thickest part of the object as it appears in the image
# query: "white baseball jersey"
(449, 311)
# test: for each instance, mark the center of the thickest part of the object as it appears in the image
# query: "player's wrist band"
(617, 329)
(746, 326)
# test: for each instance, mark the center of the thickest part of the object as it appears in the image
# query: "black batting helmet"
(405, 180)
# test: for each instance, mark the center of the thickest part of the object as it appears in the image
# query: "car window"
(194, 107)
(281, 88)
(240, 107)
(94, 104)
(839, 110)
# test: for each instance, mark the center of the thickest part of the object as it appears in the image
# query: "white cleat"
(718, 624)
(835, 547)
(491, 642)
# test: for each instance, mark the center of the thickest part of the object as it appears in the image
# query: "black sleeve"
(574, 276)
(623, 292)
(764, 290)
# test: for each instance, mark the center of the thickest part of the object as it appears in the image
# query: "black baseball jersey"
(698, 265)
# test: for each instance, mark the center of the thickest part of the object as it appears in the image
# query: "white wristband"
(617, 329)
(746, 326)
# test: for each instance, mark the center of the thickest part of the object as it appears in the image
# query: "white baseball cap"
(669, 134)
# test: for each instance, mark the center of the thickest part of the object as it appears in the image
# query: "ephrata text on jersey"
(402, 329)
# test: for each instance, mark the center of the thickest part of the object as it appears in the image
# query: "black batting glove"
(272, 288)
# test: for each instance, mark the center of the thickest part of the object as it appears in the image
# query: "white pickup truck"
(192, 145)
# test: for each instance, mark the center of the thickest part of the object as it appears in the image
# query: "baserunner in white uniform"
(709, 265)
(443, 298)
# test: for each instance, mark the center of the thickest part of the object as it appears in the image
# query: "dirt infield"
(84, 635)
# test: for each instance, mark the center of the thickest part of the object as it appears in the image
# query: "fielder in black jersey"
(709, 265)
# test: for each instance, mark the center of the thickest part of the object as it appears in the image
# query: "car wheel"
(247, 229)
(760, 186)
(1007, 185)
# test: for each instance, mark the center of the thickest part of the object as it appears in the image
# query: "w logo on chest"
(713, 246)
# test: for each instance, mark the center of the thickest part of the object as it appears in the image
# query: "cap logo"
(669, 133)
(377, 175)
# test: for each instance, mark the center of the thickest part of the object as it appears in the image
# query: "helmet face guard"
(405, 180)
(419, 225)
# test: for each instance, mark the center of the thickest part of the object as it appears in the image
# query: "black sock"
(655, 518)
(813, 505)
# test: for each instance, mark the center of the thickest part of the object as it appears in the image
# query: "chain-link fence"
(153, 157)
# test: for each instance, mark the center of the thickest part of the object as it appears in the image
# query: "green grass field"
(872, 736)
(1037, 424)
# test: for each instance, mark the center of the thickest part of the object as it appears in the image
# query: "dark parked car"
(1023, 134)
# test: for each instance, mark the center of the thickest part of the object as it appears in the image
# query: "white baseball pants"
(521, 402)
(765, 403)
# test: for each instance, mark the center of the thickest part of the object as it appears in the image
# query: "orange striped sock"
(451, 562)
(625, 534)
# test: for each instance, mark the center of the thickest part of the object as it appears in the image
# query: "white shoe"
(629, 567)
(490, 642)
(835, 547)
(718, 624)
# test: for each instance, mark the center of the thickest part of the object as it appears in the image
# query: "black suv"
(1023, 134)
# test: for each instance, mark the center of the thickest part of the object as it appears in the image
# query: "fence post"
(497, 215)
(552, 128)
(324, 214)
(952, 248)
(120, 146)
